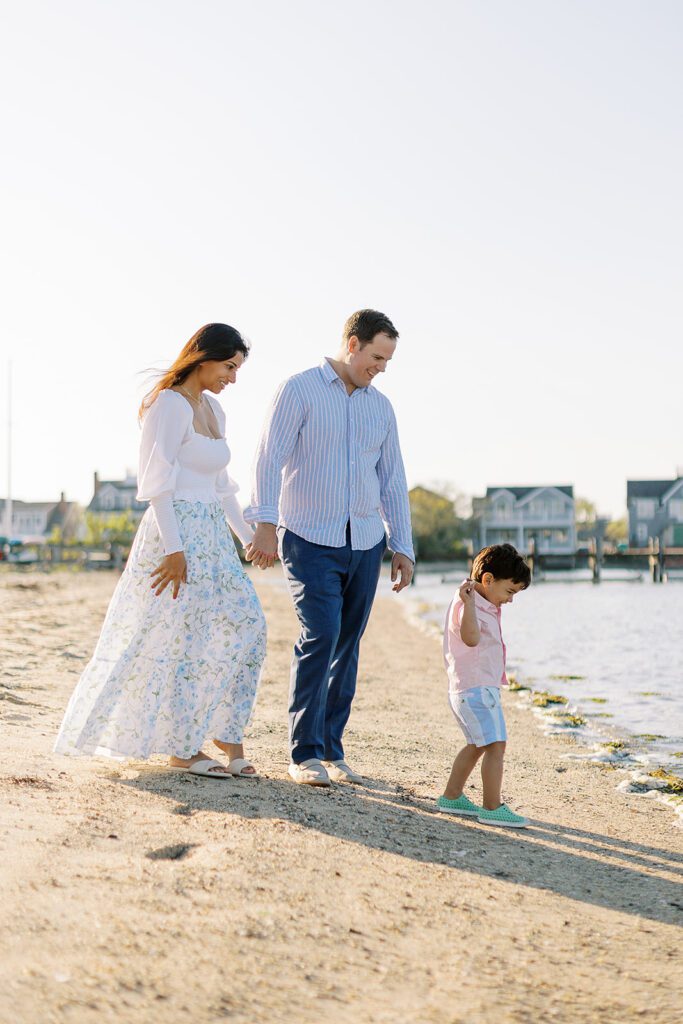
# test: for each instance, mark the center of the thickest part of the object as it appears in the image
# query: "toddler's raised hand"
(466, 592)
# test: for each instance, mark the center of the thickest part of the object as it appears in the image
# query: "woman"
(184, 637)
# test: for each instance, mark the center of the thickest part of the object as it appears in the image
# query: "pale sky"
(503, 179)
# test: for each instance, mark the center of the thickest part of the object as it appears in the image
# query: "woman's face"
(215, 375)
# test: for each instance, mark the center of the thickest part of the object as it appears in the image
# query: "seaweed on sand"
(673, 783)
(515, 687)
(542, 699)
(570, 721)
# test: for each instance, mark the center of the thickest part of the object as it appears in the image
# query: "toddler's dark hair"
(504, 562)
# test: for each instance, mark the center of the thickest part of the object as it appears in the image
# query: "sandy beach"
(132, 893)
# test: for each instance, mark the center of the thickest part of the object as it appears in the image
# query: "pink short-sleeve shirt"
(483, 665)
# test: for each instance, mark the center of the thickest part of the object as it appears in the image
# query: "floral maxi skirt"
(167, 674)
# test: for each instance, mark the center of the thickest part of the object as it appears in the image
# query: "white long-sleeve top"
(177, 463)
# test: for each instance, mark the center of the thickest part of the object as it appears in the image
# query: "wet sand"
(134, 894)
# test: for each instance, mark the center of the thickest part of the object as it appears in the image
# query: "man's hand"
(403, 567)
(172, 570)
(262, 550)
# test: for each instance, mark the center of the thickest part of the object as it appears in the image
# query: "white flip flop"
(237, 766)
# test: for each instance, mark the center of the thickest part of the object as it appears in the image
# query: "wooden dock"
(657, 559)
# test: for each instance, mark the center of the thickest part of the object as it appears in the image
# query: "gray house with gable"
(518, 515)
(655, 509)
(116, 496)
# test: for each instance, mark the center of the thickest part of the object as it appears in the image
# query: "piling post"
(594, 559)
(117, 557)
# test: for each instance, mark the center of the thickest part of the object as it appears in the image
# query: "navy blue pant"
(333, 590)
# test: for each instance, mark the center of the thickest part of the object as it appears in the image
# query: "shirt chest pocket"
(370, 437)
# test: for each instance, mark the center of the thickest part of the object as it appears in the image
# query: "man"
(328, 472)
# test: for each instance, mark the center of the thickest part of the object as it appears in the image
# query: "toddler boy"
(474, 653)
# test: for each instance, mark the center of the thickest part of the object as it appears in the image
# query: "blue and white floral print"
(167, 674)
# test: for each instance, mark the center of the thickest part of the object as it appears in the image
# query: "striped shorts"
(479, 714)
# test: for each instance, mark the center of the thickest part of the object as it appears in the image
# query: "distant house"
(35, 520)
(655, 509)
(516, 515)
(116, 496)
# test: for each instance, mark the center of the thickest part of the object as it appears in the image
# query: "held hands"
(172, 570)
(466, 592)
(403, 567)
(262, 550)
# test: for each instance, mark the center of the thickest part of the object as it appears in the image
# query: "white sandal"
(237, 766)
(204, 767)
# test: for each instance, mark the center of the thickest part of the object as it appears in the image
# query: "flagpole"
(8, 499)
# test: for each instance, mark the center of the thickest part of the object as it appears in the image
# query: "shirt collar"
(329, 372)
(330, 375)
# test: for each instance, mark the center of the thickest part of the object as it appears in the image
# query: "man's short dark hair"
(503, 562)
(366, 323)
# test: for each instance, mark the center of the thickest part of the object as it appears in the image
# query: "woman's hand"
(262, 550)
(173, 570)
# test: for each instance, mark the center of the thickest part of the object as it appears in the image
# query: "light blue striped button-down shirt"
(327, 458)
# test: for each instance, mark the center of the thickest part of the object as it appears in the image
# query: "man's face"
(365, 363)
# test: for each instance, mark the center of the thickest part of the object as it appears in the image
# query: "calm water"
(624, 639)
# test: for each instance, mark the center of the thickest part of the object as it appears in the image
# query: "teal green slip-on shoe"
(502, 816)
(460, 806)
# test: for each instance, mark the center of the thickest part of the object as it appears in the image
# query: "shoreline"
(621, 752)
(563, 719)
(132, 892)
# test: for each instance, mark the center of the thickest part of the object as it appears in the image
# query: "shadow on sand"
(544, 856)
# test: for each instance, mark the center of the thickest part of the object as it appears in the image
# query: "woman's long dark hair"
(217, 342)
